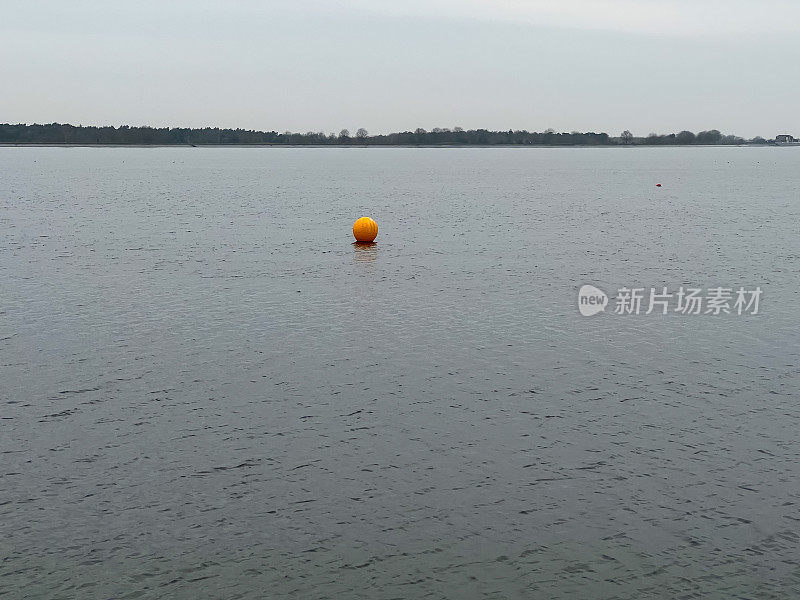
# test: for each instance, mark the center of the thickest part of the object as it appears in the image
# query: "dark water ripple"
(208, 391)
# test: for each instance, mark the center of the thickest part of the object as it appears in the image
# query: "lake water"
(207, 391)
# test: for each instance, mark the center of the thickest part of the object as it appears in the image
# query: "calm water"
(207, 391)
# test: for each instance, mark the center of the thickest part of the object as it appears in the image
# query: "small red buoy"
(658, 185)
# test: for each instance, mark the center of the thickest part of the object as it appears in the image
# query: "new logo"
(591, 300)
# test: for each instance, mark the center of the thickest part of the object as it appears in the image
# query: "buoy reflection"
(365, 251)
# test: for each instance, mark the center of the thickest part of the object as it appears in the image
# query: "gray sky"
(388, 65)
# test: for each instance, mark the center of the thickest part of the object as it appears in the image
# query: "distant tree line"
(687, 137)
(57, 133)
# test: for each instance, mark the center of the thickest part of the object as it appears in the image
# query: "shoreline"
(354, 146)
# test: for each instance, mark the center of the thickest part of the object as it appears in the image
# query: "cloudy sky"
(387, 65)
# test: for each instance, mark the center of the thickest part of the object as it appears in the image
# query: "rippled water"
(208, 391)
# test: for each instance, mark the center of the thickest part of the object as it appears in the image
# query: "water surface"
(208, 391)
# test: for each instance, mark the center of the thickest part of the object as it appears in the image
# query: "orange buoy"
(365, 230)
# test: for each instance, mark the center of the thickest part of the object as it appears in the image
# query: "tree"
(627, 137)
(361, 133)
(709, 137)
(344, 134)
(686, 137)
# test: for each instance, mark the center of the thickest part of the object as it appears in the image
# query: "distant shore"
(387, 146)
(66, 135)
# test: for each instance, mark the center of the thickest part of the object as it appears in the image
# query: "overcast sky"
(388, 65)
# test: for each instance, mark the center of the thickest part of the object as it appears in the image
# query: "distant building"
(785, 137)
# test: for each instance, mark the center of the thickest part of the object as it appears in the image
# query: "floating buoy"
(365, 230)
(658, 185)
